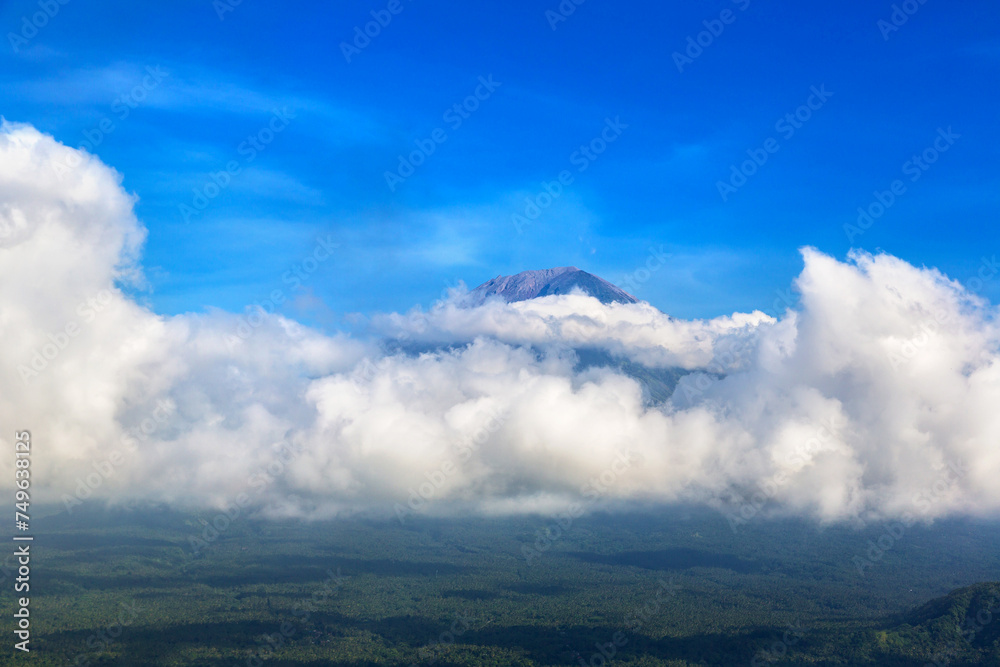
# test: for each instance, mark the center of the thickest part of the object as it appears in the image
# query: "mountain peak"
(558, 280)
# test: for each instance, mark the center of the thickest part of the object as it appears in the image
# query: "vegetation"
(675, 586)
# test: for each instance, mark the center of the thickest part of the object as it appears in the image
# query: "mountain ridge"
(545, 282)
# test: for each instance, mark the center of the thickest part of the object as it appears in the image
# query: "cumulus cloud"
(875, 397)
(636, 331)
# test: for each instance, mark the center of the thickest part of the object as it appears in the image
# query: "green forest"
(670, 586)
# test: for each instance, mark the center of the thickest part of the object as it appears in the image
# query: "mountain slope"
(959, 629)
(968, 618)
(560, 280)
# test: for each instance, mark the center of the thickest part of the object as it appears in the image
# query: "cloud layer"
(876, 397)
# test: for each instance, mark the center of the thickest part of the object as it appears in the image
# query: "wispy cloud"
(193, 90)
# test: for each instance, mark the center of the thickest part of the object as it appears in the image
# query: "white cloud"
(638, 331)
(854, 405)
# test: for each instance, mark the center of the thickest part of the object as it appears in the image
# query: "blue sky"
(170, 94)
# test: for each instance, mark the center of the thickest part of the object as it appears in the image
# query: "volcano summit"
(560, 280)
